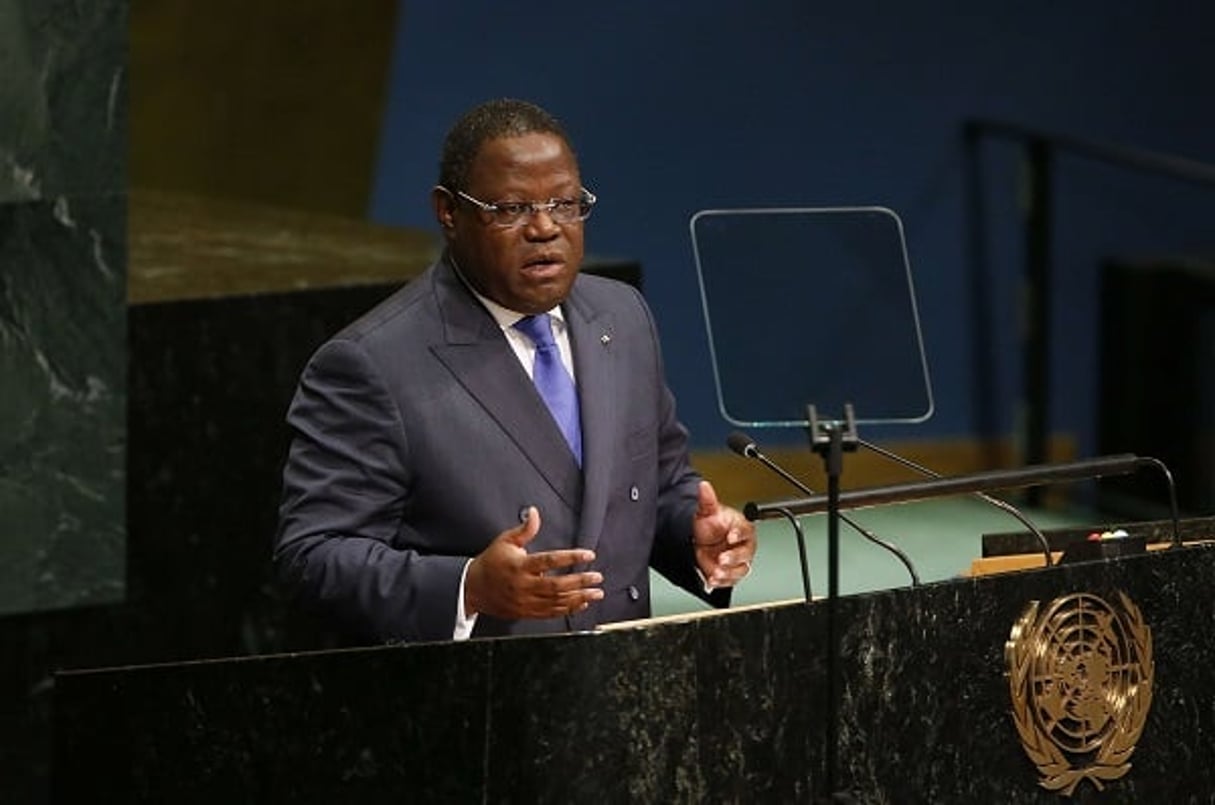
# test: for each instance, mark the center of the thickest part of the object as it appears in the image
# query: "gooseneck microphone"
(999, 504)
(1157, 464)
(745, 446)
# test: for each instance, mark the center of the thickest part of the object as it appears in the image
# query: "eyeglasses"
(509, 214)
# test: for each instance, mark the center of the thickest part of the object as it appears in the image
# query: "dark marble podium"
(726, 708)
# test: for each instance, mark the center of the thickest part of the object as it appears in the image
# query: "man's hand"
(724, 540)
(505, 581)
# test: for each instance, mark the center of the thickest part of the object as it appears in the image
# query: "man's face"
(529, 268)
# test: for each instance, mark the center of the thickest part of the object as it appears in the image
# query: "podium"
(724, 708)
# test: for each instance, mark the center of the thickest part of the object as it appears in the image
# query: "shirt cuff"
(464, 623)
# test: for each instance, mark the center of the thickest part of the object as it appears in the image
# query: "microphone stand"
(742, 444)
(1033, 475)
(830, 440)
(801, 553)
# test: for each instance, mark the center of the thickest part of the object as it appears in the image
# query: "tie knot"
(538, 328)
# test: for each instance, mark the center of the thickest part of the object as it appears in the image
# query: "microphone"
(739, 443)
(1157, 464)
(1004, 506)
(742, 444)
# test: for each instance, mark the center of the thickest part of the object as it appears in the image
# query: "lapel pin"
(605, 339)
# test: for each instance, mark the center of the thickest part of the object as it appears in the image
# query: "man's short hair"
(504, 117)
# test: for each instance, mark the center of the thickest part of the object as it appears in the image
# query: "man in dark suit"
(456, 470)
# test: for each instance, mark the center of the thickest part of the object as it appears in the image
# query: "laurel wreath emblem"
(1030, 644)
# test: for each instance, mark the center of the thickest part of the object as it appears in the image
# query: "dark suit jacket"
(418, 437)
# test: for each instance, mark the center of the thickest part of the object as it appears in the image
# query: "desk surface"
(191, 247)
(984, 566)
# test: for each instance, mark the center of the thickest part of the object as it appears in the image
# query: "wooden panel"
(738, 480)
(277, 101)
(984, 566)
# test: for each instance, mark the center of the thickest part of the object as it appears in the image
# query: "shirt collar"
(508, 318)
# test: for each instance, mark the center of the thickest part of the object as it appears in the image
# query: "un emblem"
(1080, 673)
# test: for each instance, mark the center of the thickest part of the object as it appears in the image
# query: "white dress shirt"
(525, 351)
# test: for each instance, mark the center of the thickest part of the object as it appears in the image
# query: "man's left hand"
(724, 540)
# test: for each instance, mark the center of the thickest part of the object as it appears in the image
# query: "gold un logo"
(1080, 674)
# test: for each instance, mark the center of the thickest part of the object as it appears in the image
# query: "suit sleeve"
(673, 555)
(345, 485)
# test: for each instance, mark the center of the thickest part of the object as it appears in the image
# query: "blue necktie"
(555, 385)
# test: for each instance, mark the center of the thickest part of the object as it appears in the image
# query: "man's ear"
(445, 207)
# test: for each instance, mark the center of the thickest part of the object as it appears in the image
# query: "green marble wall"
(63, 136)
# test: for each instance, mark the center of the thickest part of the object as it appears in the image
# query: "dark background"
(339, 111)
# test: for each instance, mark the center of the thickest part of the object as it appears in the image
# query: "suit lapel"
(595, 364)
(478, 356)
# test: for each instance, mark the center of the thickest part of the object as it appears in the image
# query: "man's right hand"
(505, 581)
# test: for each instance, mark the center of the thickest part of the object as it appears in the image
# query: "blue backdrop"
(679, 107)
